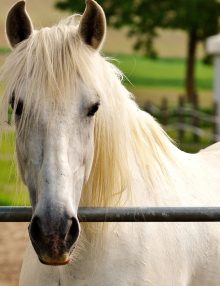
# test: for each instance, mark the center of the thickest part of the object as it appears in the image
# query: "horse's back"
(201, 171)
(214, 149)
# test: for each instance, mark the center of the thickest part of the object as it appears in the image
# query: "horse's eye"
(18, 106)
(93, 109)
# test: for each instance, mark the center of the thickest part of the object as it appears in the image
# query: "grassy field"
(12, 192)
(162, 73)
(151, 80)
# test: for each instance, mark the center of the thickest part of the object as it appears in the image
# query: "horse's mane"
(127, 139)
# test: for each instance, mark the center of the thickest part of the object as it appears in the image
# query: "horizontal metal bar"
(15, 214)
(139, 214)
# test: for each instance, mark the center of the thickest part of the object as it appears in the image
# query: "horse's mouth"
(65, 259)
(59, 260)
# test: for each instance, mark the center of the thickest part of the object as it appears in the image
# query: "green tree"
(198, 18)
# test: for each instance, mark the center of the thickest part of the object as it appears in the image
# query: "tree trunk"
(190, 69)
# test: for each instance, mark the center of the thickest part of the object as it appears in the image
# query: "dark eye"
(93, 109)
(18, 106)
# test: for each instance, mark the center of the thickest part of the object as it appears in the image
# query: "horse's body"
(134, 164)
(162, 254)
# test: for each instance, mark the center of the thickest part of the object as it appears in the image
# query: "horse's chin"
(64, 260)
(54, 263)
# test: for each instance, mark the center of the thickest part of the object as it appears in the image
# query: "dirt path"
(13, 237)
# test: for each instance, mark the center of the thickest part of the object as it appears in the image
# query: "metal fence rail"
(139, 214)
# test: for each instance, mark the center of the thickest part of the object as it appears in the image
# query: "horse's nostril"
(35, 228)
(73, 233)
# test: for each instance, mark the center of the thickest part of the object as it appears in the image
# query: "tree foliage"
(143, 18)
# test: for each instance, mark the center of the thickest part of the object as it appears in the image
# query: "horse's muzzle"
(54, 242)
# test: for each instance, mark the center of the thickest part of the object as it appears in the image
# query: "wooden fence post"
(180, 114)
(164, 111)
(148, 107)
(215, 125)
(195, 121)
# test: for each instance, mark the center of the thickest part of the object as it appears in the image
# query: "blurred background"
(160, 47)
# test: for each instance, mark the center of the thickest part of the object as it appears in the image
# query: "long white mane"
(127, 140)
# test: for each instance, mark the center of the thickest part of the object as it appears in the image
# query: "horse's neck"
(155, 160)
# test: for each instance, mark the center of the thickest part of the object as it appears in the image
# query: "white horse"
(82, 141)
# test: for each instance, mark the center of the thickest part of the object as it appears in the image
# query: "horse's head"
(55, 132)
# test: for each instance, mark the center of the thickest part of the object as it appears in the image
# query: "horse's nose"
(53, 239)
(66, 229)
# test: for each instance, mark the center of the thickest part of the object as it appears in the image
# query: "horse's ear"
(18, 24)
(92, 27)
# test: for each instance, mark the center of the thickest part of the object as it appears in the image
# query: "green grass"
(7, 143)
(14, 198)
(162, 73)
(12, 192)
(4, 50)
